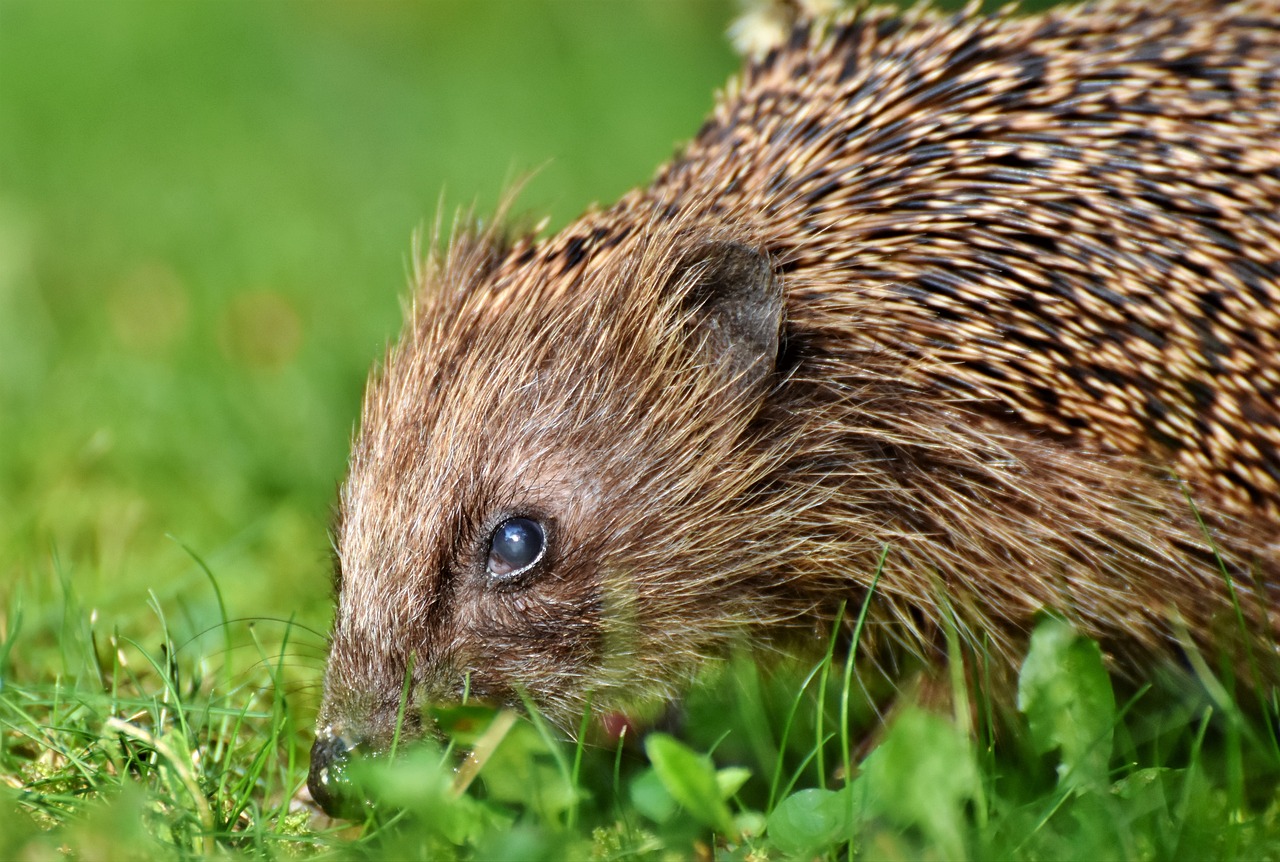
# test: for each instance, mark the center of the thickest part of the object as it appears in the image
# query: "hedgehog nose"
(330, 785)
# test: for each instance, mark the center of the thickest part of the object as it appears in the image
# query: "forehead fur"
(510, 346)
(559, 371)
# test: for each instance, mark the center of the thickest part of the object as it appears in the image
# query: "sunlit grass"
(158, 753)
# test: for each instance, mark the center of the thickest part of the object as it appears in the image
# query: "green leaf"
(690, 778)
(650, 797)
(923, 775)
(522, 771)
(750, 823)
(730, 780)
(421, 782)
(1066, 695)
(811, 821)
(1149, 792)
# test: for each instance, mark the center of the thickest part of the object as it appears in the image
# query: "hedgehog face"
(507, 524)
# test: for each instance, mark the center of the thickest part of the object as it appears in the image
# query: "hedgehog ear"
(735, 305)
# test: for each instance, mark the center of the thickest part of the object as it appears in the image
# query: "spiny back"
(1075, 217)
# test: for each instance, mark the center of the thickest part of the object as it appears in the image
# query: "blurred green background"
(206, 211)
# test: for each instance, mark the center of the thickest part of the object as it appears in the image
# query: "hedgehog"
(979, 310)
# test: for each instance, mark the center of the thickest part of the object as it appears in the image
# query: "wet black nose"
(328, 781)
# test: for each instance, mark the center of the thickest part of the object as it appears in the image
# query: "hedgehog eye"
(515, 546)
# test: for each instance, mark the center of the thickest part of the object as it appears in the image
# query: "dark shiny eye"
(516, 545)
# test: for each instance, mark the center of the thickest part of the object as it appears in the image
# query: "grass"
(151, 754)
(205, 216)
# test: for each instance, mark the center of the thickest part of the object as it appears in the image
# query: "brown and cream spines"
(995, 297)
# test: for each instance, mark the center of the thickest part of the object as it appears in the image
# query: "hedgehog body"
(986, 305)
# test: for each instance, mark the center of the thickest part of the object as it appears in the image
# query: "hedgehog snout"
(328, 780)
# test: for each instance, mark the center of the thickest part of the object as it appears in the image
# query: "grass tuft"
(147, 755)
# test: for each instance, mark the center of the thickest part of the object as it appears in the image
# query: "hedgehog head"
(513, 526)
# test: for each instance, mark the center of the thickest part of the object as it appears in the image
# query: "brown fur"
(1031, 270)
